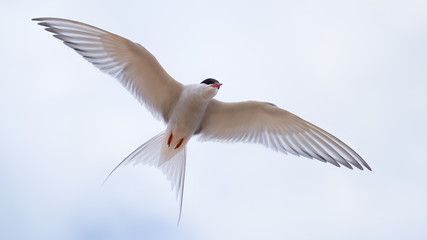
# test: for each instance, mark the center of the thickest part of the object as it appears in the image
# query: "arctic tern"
(189, 110)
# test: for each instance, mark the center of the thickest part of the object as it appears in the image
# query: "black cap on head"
(209, 81)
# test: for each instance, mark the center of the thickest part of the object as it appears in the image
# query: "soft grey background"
(355, 68)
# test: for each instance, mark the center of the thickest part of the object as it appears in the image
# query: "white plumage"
(191, 109)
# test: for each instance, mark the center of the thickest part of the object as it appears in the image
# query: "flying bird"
(190, 110)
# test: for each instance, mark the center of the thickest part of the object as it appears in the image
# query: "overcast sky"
(357, 69)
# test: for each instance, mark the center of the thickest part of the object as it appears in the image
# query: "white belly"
(185, 120)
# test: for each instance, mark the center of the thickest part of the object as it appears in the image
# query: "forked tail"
(149, 153)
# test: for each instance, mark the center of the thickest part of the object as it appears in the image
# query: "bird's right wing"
(278, 129)
(135, 67)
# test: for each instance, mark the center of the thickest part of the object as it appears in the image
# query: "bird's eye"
(210, 81)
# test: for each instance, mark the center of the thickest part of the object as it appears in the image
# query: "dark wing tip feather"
(42, 18)
(44, 24)
(367, 167)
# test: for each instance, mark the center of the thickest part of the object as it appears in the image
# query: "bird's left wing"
(278, 129)
(135, 67)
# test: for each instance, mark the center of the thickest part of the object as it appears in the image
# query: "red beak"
(217, 85)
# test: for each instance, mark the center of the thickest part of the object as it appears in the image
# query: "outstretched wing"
(135, 67)
(278, 129)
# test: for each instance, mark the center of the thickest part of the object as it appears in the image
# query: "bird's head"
(212, 82)
(210, 88)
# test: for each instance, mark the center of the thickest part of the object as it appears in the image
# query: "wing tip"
(41, 19)
(367, 167)
(350, 165)
(358, 166)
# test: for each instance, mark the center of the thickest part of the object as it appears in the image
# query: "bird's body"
(186, 118)
(189, 110)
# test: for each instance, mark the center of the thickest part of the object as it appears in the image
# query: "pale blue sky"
(357, 69)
